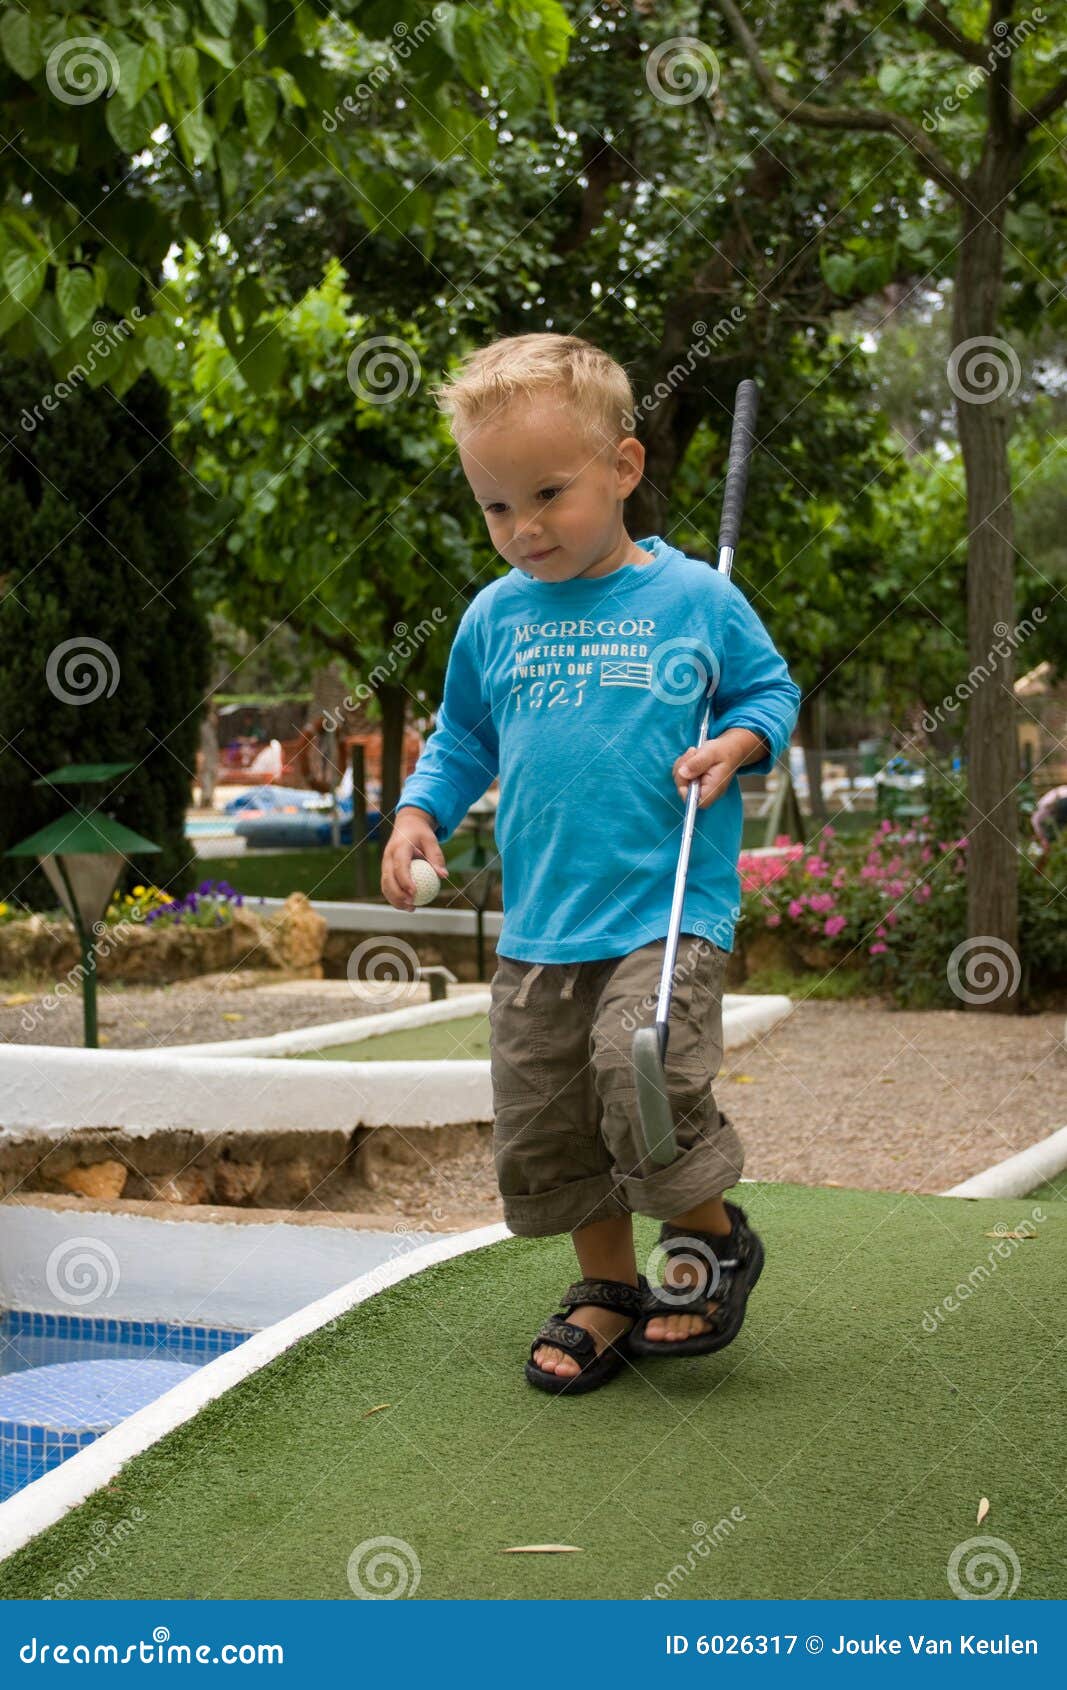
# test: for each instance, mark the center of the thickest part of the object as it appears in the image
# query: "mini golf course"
(462, 1040)
(845, 1447)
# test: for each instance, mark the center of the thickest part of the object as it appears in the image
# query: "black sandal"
(734, 1264)
(596, 1369)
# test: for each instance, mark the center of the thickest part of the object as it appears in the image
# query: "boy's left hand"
(716, 762)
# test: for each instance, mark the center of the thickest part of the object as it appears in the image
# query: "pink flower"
(891, 918)
(833, 925)
(782, 839)
(876, 950)
(796, 908)
(774, 920)
(839, 877)
(924, 892)
(886, 827)
(829, 832)
(925, 854)
(816, 867)
(821, 902)
(880, 933)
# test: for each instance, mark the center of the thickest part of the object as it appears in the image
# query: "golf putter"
(650, 1043)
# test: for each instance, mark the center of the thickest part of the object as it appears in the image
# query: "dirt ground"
(852, 1093)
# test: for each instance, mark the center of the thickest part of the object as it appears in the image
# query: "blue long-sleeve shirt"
(581, 695)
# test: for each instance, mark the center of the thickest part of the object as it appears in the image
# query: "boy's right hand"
(412, 836)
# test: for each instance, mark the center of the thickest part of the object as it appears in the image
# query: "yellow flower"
(138, 891)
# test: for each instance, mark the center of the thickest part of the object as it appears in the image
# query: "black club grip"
(742, 440)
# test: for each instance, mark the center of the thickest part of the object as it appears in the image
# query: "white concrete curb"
(50, 1091)
(1018, 1175)
(41, 1504)
(387, 919)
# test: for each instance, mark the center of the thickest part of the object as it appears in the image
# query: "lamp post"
(83, 856)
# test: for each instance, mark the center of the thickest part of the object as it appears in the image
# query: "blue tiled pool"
(65, 1379)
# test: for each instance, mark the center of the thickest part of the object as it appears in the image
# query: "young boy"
(579, 678)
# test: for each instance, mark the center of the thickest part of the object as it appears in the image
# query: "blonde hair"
(524, 366)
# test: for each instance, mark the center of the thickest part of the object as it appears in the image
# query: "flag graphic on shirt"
(626, 674)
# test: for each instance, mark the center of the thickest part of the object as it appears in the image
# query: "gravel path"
(849, 1093)
(214, 1007)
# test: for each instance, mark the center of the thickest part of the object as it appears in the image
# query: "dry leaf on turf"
(743, 1079)
(1023, 1235)
(16, 998)
(543, 1549)
(983, 1509)
(377, 1409)
(228, 1015)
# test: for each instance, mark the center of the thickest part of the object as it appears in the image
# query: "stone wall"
(292, 940)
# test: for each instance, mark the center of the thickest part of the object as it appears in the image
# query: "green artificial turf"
(838, 1448)
(1051, 1190)
(464, 1040)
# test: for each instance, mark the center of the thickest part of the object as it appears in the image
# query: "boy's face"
(552, 497)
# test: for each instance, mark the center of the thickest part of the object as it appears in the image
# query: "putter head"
(653, 1104)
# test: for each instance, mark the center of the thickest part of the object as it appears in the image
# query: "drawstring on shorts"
(566, 990)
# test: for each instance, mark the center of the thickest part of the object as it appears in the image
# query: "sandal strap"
(696, 1304)
(567, 1336)
(604, 1294)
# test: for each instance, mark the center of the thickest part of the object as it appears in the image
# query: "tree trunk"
(392, 700)
(810, 730)
(992, 758)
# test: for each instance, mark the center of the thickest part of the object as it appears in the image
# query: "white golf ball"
(427, 881)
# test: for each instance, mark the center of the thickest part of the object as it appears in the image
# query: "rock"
(237, 1182)
(189, 1186)
(296, 936)
(101, 1179)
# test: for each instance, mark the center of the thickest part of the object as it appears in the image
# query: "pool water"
(65, 1379)
(464, 1040)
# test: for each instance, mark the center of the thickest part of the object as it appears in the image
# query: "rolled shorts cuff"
(704, 1170)
(566, 1207)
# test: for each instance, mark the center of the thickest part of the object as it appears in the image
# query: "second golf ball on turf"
(427, 881)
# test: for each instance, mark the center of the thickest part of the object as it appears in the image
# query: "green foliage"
(897, 908)
(310, 508)
(132, 125)
(836, 987)
(96, 548)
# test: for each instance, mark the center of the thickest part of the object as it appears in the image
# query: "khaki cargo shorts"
(567, 1136)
